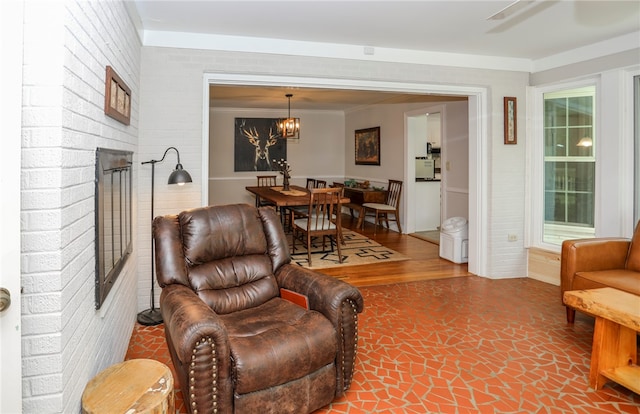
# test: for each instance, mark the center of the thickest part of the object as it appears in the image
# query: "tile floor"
(461, 345)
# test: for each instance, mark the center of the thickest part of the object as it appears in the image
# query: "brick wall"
(65, 340)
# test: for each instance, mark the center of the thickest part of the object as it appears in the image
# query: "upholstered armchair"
(600, 262)
(238, 346)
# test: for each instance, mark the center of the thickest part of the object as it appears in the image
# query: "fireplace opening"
(112, 217)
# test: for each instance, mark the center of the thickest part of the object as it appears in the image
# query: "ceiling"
(527, 29)
(310, 98)
(530, 29)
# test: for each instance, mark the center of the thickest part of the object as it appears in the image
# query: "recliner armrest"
(188, 319)
(582, 255)
(339, 302)
(200, 342)
(326, 294)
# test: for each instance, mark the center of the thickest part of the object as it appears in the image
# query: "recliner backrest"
(227, 254)
(633, 257)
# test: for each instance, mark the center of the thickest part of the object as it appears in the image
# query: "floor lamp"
(179, 176)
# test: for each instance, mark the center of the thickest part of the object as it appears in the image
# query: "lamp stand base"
(150, 317)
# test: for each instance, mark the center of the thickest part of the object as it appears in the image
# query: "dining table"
(294, 197)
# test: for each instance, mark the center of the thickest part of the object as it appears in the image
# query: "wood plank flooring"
(425, 262)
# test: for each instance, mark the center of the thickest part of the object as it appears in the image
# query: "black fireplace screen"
(113, 217)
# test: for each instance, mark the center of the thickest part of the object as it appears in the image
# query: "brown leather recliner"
(236, 344)
(598, 263)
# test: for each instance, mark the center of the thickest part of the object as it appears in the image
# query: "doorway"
(477, 126)
(424, 129)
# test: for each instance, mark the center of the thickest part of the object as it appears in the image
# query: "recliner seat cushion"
(626, 280)
(277, 342)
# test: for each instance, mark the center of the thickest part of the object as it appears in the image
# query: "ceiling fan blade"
(510, 9)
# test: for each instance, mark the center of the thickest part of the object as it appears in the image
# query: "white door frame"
(478, 138)
(11, 46)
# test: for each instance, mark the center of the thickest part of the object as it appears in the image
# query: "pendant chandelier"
(289, 127)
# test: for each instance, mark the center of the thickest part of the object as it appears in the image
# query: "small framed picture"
(510, 120)
(117, 98)
(367, 146)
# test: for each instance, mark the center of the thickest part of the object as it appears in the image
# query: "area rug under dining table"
(357, 250)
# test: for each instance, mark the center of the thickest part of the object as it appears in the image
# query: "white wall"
(427, 206)
(423, 199)
(166, 120)
(317, 154)
(394, 155)
(417, 128)
(613, 76)
(65, 340)
(67, 46)
(614, 214)
(455, 161)
(390, 119)
(434, 130)
(172, 88)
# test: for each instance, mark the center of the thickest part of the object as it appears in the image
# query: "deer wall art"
(257, 142)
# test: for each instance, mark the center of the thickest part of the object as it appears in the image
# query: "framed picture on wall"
(257, 142)
(117, 97)
(510, 124)
(367, 146)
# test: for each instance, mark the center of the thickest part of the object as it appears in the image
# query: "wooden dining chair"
(319, 221)
(351, 206)
(321, 184)
(338, 210)
(302, 210)
(265, 181)
(382, 211)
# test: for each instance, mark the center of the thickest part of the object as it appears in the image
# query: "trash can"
(454, 240)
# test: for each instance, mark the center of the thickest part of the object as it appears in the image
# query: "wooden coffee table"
(614, 354)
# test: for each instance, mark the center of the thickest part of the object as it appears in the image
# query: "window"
(569, 164)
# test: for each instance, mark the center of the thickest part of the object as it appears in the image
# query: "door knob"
(5, 299)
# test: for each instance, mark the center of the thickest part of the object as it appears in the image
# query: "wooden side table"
(133, 386)
(614, 353)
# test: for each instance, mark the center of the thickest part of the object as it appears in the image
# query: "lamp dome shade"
(179, 176)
